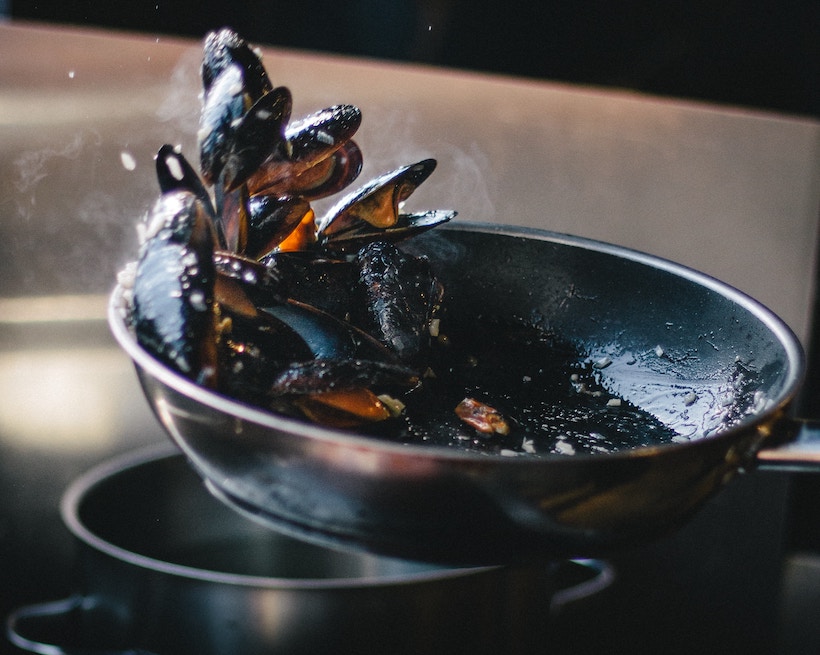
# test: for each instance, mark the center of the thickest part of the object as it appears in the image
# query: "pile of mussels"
(242, 288)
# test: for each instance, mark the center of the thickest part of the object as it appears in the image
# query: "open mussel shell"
(377, 202)
(357, 234)
(430, 502)
(330, 175)
(299, 168)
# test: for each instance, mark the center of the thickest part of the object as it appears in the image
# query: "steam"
(180, 107)
(32, 166)
(463, 180)
(464, 183)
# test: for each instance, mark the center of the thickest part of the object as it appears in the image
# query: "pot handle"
(596, 575)
(797, 450)
(30, 628)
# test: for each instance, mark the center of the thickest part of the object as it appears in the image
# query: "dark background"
(760, 54)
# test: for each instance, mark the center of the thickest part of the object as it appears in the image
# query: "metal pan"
(165, 569)
(668, 333)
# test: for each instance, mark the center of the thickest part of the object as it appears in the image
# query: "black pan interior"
(690, 352)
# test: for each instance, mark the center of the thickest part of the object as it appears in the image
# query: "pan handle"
(31, 627)
(801, 451)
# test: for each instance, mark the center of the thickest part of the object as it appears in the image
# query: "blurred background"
(757, 53)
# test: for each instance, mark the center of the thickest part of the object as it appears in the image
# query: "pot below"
(165, 568)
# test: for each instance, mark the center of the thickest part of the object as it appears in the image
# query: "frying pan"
(673, 340)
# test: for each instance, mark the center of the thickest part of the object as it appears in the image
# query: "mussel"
(240, 288)
(173, 301)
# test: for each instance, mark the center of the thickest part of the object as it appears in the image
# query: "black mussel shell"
(224, 48)
(309, 142)
(222, 107)
(359, 233)
(327, 336)
(175, 173)
(256, 137)
(253, 351)
(315, 137)
(327, 284)
(270, 220)
(400, 296)
(173, 288)
(243, 284)
(323, 375)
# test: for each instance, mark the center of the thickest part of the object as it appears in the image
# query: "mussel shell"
(243, 284)
(223, 105)
(330, 175)
(326, 177)
(253, 352)
(175, 173)
(224, 48)
(173, 288)
(256, 137)
(327, 336)
(399, 297)
(326, 284)
(232, 217)
(270, 220)
(323, 375)
(316, 136)
(309, 142)
(377, 202)
(342, 409)
(358, 234)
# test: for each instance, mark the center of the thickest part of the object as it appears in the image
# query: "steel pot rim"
(85, 484)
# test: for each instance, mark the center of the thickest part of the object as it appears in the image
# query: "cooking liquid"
(548, 391)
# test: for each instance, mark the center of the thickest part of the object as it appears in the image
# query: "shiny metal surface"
(725, 190)
(446, 504)
(167, 569)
